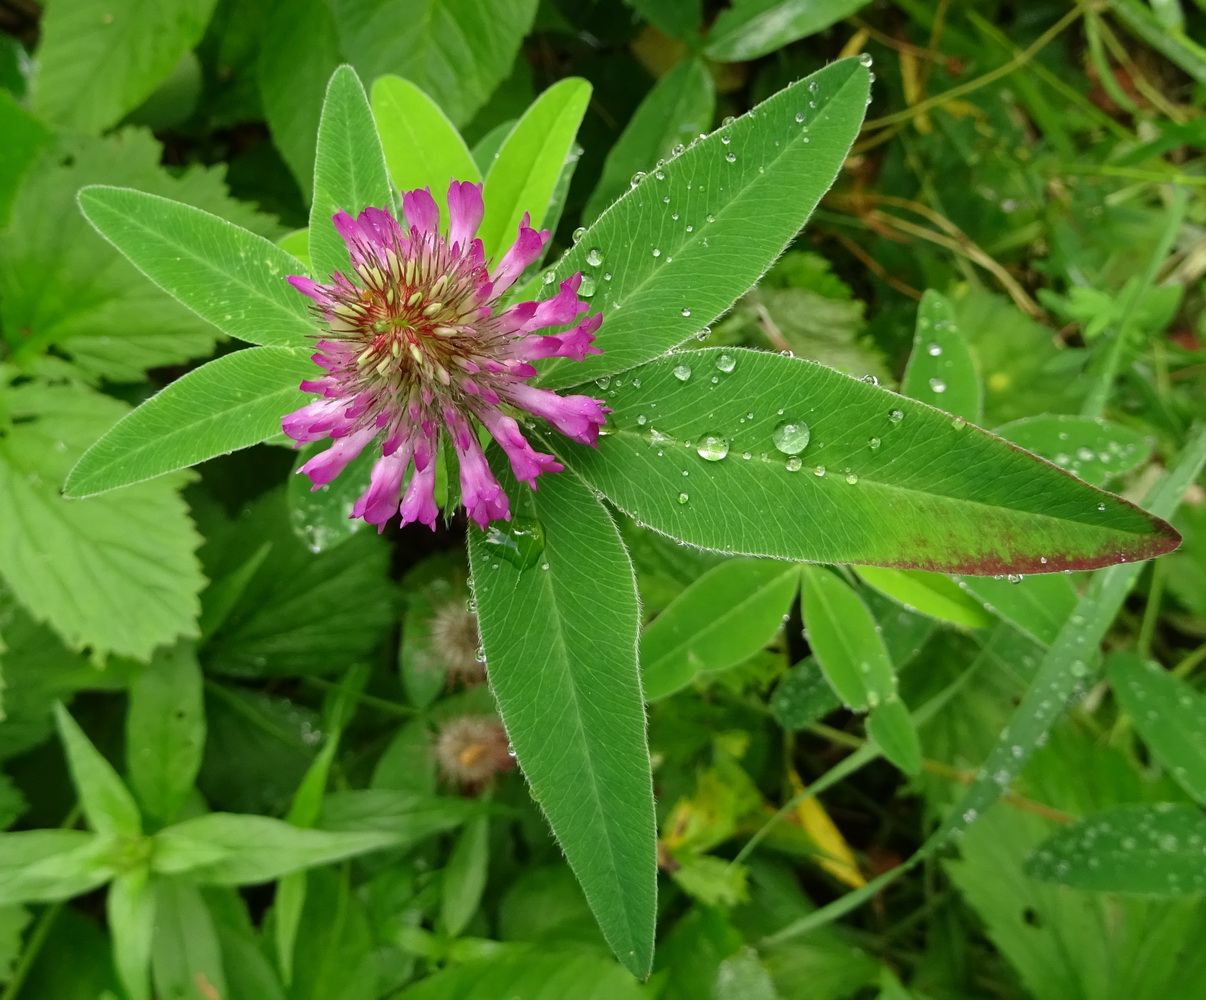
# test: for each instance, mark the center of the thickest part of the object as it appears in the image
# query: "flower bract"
(417, 352)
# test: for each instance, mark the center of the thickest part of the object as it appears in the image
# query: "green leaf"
(98, 60)
(803, 696)
(185, 952)
(1094, 450)
(676, 111)
(525, 171)
(941, 370)
(107, 804)
(929, 593)
(322, 517)
(675, 266)
(231, 403)
(165, 732)
(465, 875)
(24, 137)
(753, 28)
(292, 71)
(234, 849)
(49, 865)
(458, 51)
(725, 617)
(409, 817)
(1169, 714)
(928, 495)
(891, 727)
(225, 274)
(422, 147)
(130, 908)
(677, 18)
(63, 286)
(1147, 850)
(1038, 605)
(561, 649)
(349, 169)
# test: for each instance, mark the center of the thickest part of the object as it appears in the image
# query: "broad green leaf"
(112, 568)
(165, 732)
(678, 109)
(941, 370)
(231, 403)
(422, 147)
(879, 479)
(1094, 450)
(107, 804)
(233, 849)
(803, 696)
(465, 875)
(485, 150)
(339, 951)
(409, 816)
(297, 243)
(185, 952)
(725, 617)
(677, 18)
(223, 273)
(929, 593)
(458, 51)
(63, 286)
(292, 71)
(753, 28)
(846, 643)
(676, 265)
(48, 865)
(99, 59)
(1169, 714)
(531, 972)
(24, 137)
(349, 169)
(130, 909)
(1038, 605)
(1148, 850)
(525, 172)
(322, 517)
(561, 646)
(891, 727)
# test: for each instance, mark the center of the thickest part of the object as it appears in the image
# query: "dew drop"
(726, 362)
(678, 150)
(895, 416)
(710, 217)
(1014, 578)
(873, 443)
(588, 286)
(793, 464)
(1101, 506)
(958, 423)
(791, 437)
(870, 380)
(746, 455)
(656, 252)
(578, 233)
(682, 372)
(864, 58)
(604, 382)
(726, 138)
(934, 350)
(937, 385)
(637, 178)
(851, 478)
(713, 448)
(819, 472)
(727, 120)
(730, 157)
(549, 277)
(594, 257)
(799, 117)
(641, 418)
(686, 312)
(683, 498)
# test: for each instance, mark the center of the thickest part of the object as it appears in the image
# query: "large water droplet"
(588, 286)
(852, 478)
(799, 117)
(594, 257)
(520, 541)
(730, 157)
(793, 464)
(726, 362)
(683, 498)
(578, 233)
(896, 416)
(873, 443)
(791, 438)
(637, 178)
(713, 448)
(864, 59)
(682, 372)
(819, 472)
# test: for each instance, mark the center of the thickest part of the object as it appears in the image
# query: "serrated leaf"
(754, 28)
(226, 275)
(676, 265)
(231, 403)
(349, 169)
(422, 147)
(1094, 450)
(1169, 714)
(725, 617)
(561, 649)
(107, 804)
(236, 849)
(99, 59)
(1147, 850)
(525, 171)
(941, 370)
(678, 109)
(930, 495)
(79, 565)
(458, 51)
(165, 732)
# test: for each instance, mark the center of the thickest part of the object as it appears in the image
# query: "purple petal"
(526, 462)
(419, 502)
(577, 417)
(526, 249)
(379, 502)
(421, 211)
(465, 211)
(327, 465)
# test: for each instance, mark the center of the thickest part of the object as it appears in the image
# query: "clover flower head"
(416, 350)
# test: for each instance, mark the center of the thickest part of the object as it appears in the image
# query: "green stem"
(30, 954)
(1151, 613)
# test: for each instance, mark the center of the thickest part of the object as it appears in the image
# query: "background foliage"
(279, 774)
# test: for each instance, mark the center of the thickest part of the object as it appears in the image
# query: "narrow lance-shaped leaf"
(108, 805)
(941, 371)
(756, 27)
(349, 168)
(691, 237)
(226, 275)
(130, 908)
(852, 472)
(231, 403)
(559, 624)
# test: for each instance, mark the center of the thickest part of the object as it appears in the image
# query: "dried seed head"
(471, 749)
